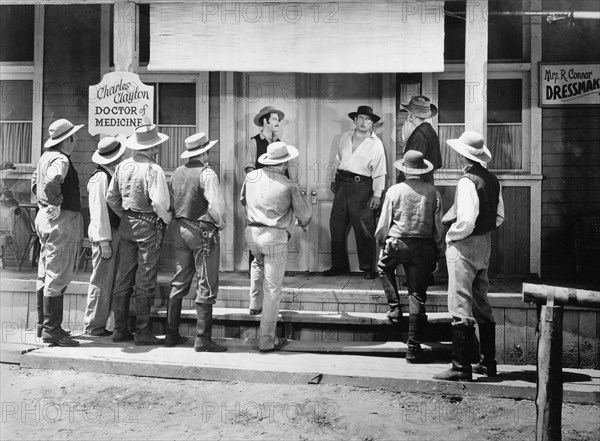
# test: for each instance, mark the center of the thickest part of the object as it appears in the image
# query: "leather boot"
(173, 318)
(53, 315)
(388, 281)
(143, 334)
(416, 328)
(204, 341)
(487, 348)
(121, 311)
(462, 345)
(40, 312)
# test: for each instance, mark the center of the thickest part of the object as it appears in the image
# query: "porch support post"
(125, 47)
(476, 56)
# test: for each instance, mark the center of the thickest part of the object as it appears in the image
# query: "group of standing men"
(131, 204)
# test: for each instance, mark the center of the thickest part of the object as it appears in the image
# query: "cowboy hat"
(471, 145)
(197, 144)
(421, 106)
(364, 110)
(278, 153)
(60, 130)
(145, 137)
(109, 150)
(267, 111)
(413, 163)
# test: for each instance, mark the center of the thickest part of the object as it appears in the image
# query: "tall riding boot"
(40, 312)
(121, 311)
(173, 318)
(388, 281)
(416, 329)
(487, 348)
(204, 341)
(462, 345)
(143, 332)
(53, 314)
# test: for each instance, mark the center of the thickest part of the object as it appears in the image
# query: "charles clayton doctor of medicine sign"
(563, 85)
(119, 104)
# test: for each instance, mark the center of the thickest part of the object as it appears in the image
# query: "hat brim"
(52, 142)
(425, 115)
(461, 149)
(103, 160)
(399, 164)
(292, 153)
(192, 153)
(259, 116)
(374, 117)
(134, 145)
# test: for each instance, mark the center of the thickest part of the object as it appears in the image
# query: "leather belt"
(353, 176)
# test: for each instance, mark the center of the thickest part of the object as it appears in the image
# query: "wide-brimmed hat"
(421, 106)
(364, 110)
(109, 150)
(60, 130)
(278, 153)
(267, 111)
(471, 145)
(197, 144)
(413, 163)
(145, 137)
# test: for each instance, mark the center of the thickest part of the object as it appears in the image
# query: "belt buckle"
(356, 178)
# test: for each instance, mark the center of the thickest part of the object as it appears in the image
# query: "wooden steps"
(310, 317)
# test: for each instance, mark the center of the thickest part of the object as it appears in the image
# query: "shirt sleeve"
(385, 219)
(500, 211)
(467, 210)
(243, 194)
(301, 208)
(55, 176)
(99, 229)
(250, 163)
(114, 199)
(378, 168)
(158, 191)
(212, 193)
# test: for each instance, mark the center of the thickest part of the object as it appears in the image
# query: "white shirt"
(368, 159)
(99, 229)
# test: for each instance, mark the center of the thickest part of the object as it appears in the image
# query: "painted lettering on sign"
(119, 104)
(572, 85)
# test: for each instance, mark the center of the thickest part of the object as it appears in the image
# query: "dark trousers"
(417, 256)
(351, 209)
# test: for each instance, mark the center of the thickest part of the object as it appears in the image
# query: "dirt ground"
(54, 405)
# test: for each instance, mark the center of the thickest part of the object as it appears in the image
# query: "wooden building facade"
(547, 159)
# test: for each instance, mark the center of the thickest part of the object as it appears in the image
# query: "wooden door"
(336, 95)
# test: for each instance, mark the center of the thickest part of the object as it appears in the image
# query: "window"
(175, 115)
(505, 120)
(17, 33)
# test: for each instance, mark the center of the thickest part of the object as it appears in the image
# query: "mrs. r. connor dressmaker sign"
(563, 85)
(119, 104)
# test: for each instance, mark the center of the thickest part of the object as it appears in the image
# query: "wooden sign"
(567, 85)
(119, 104)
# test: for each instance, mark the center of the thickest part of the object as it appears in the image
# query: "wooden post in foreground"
(549, 382)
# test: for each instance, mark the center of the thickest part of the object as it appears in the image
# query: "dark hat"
(364, 110)
(267, 111)
(421, 106)
(413, 163)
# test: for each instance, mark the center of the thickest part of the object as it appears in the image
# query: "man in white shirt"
(140, 195)
(200, 213)
(478, 210)
(104, 237)
(358, 185)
